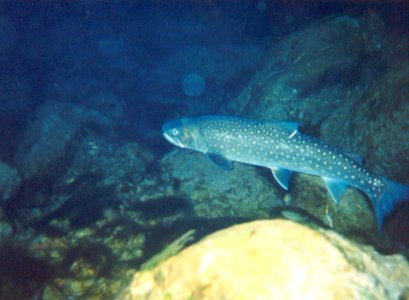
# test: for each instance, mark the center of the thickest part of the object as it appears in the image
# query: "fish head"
(183, 133)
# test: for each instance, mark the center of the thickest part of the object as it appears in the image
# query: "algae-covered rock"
(274, 260)
(99, 173)
(93, 262)
(354, 213)
(215, 192)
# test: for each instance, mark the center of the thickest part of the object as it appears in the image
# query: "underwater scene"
(188, 150)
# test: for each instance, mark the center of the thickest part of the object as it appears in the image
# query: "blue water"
(85, 87)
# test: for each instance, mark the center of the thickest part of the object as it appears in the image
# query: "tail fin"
(393, 194)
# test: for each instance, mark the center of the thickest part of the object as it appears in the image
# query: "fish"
(279, 146)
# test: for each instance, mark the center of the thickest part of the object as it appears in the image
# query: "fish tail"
(393, 194)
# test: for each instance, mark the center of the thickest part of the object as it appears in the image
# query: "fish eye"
(175, 131)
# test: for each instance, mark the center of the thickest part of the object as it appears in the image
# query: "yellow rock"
(274, 259)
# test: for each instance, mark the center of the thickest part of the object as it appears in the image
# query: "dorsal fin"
(287, 125)
(355, 157)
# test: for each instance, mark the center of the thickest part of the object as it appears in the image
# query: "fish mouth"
(167, 132)
(172, 140)
(168, 138)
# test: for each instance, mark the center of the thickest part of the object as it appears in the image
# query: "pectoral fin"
(220, 161)
(336, 188)
(282, 176)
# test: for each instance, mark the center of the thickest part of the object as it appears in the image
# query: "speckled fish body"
(280, 147)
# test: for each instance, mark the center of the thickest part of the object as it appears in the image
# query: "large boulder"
(274, 260)
(313, 72)
(377, 126)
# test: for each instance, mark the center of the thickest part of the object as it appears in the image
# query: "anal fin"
(220, 161)
(336, 188)
(282, 176)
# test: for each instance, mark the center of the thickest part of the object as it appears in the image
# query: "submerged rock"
(48, 136)
(314, 71)
(214, 192)
(354, 213)
(45, 154)
(9, 181)
(274, 260)
(377, 125)
(100, 175)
